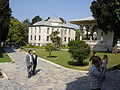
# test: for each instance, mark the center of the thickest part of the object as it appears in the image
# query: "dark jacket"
(34, 60)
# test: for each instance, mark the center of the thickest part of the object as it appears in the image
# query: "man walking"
(34, 61)
(29, 63)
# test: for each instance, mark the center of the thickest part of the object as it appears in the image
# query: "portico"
(95, 37)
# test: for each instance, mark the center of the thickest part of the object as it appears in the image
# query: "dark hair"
(96, 60)
(29, 51)
(105, 56)
(94, 52)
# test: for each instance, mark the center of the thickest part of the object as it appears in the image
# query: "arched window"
(64, 39)
(31, 37)
(39, 29)
(35, 29)
(65, 31)
(31, 29)
(39, 38)
(48, 30)
(47, 38)
(69, 39)
(35, 37)
(69, 32)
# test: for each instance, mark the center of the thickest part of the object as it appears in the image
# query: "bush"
(79, 50)
(49, 48)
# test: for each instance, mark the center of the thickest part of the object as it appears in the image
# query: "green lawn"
(3, 56)
(64, 58)
(1, 76)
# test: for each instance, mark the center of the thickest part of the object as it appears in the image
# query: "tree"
(79, 50)
(5, 13)
(107, 14)
(27, 22)
(36, 19)
(49, 48)
(47, 19)
(63, 20)
(77, 35)
(56, 40)
(18, 32)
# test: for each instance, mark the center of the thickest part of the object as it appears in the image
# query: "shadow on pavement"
(37, 71)
(9, 50)
(81, 83)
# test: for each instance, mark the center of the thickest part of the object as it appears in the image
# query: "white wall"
(44, 35)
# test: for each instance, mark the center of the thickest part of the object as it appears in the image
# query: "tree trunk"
(114, 46)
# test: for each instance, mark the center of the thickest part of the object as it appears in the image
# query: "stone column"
(81, 28)
(87, 29)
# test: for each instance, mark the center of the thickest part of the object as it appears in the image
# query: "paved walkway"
(48, 77)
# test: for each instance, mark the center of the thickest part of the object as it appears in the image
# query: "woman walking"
(104, 65)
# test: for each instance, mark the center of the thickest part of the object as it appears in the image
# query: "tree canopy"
(56, 40)
(36, 19)
(27, 22)
(107, 14)
(18, 32)
(63, 20)
(5, 13)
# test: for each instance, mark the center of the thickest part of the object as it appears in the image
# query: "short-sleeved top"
(93, 57)
(104, 63)
(95, 77)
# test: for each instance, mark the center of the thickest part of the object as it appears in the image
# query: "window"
(31, 29)
(65, 31)
(64, 39)
(31, 37)
(69, 39)
(39, 38)
(57, 30)
(35, 37)
(48, 30)
(47, 38)
(69, 32)
(52, 29)
(39, 29)
(35, 29)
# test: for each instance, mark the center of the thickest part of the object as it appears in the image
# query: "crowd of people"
(97, 71)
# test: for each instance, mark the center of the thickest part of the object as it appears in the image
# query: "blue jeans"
(103, 73)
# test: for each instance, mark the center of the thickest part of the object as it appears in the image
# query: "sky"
(67, 9)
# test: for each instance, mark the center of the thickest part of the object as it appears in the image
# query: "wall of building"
(43, 33)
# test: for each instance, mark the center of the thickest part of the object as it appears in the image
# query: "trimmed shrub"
(79, 50)
(49, 48)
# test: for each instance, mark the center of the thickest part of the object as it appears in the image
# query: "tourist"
(104, 65)
(34, 61)
(29, 63)
(95, 75)
(93, 56)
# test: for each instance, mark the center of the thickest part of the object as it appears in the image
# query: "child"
(104, 65)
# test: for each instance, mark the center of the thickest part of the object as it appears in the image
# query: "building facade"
(39, 33)
(102, 41)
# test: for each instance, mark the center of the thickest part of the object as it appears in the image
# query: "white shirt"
(30, 58)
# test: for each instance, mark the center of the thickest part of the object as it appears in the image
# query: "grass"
(64, 59)
(3, 56)
(43, 47)
(1, 76)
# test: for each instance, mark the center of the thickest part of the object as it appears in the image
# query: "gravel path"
(49, 76)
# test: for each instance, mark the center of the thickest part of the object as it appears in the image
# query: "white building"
(102, 42)
(39, 33)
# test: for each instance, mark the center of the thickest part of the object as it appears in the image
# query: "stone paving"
(49, 76)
